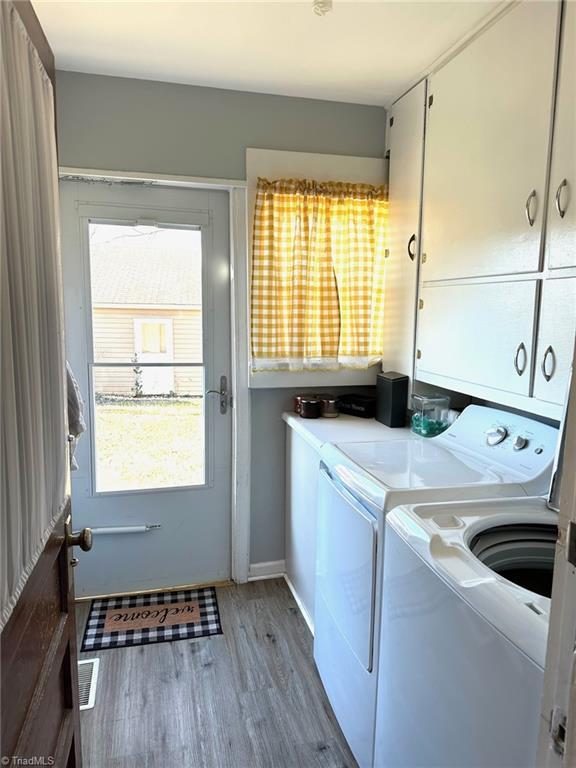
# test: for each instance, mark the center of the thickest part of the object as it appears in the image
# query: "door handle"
(222, 394)
(531, 219)
(549, 353)
(561, 211)
(82, 539)
(411, 242)
(521, 349)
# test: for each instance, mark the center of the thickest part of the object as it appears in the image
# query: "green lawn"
(149, 443)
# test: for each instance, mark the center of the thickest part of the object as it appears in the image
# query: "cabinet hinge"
(420, 303)
(571, 543)
(430, 100)
(558, 730)
(391, 122)
(424, 258)
(387, 155)
(386, 252)
(418, 354)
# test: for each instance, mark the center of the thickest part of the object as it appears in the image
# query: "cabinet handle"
(549, 353)
(561, 211)
(521, 348)
(411, 242)
(531, 219)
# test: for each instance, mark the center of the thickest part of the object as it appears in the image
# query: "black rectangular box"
(392, 399)
(357, 405)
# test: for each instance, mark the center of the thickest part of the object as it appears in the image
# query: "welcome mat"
(159, 617)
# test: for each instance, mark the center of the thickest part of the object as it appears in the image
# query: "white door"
(479, 333)
(154, 343)
(487, 135)
(561, 229)
(406, 131)
(147, 303)
(555, 339)
(558, 719)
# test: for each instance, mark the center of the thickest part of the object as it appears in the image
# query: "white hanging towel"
(76, 423)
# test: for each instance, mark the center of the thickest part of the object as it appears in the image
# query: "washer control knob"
(496, 435)
(519, 442)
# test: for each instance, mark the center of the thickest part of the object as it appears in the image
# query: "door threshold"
(175, 588)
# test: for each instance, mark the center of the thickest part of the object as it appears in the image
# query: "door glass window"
(147, 366)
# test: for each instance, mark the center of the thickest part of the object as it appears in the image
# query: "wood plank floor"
(250, 698)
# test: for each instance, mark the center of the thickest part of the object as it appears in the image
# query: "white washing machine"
(485, 453)
(463, 639)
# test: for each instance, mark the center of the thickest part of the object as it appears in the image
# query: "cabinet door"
(480, 333)
(405, 182)
(561, 230)
(555, 339)
(487, 137)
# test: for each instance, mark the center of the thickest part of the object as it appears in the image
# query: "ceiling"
(364, 52)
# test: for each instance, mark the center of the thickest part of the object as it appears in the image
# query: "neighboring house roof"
(145, 270)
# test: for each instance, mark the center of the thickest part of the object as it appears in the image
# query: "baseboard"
(270, 570)
(305, 615)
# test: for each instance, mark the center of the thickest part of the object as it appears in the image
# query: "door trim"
(241, 422)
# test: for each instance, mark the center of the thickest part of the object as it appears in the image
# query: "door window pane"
(146, 286)
(144, 436)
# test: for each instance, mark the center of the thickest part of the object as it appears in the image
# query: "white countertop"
(343, 429)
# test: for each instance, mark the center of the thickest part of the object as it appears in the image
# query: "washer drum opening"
(523, 553)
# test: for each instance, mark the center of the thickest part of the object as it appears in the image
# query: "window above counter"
(339, 355)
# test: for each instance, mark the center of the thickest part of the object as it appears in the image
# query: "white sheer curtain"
(32, 377)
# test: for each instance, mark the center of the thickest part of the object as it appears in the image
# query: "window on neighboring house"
(317, 289)
(152, 336)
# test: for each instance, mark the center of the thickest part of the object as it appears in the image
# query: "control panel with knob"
(519, 442)
(496, 435)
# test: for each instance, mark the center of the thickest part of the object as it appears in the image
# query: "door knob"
(82, 539)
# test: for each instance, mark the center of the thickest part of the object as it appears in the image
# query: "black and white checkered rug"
(150, 608)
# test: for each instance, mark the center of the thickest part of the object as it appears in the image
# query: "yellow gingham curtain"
(317, 291)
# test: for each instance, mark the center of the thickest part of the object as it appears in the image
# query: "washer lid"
(421, 463)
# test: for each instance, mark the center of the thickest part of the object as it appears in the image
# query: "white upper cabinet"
(487, 142)
(477, 333)
(555, 339)
(561, 230)
(406, 142)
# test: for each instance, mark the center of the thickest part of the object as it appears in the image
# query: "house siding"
(114, 342)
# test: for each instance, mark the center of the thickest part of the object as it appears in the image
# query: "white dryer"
(463, 639)
(485, 453)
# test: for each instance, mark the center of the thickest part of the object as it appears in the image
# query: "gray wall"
(268, 465)
(268, 481)
(116, 123)
(113, 123)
